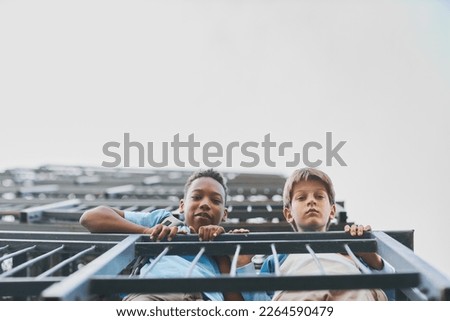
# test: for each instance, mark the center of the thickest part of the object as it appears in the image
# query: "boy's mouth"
(312, 211)
(203, 215)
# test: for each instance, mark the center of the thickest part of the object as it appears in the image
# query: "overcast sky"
(75, 75)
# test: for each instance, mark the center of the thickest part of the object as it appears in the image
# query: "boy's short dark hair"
(206, 173)
(305, 174)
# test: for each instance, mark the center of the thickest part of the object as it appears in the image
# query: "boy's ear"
(333, 212)
(288, 215)
(225, 215)
(181, 206)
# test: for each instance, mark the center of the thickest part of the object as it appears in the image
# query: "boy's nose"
(205, 204)
(311, 199)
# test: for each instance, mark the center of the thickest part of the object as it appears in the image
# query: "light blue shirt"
(173, 266)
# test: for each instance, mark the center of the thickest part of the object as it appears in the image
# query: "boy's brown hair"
(305, 174)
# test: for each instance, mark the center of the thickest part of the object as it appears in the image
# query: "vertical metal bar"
(157, 259)
(137, 265)
(235, 259)
(194, 261)
(275, 260)
(316, 260)
(63, 263)
(76, 285)
(414, 294)
(364, 269)
(17, 253)
(29, 262)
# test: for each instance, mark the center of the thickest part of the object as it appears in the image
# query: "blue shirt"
(173, 266)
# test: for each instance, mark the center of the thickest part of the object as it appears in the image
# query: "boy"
(203, 207)
(309, 206)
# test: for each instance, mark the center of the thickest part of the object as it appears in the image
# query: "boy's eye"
(216, 201)
(196, 197)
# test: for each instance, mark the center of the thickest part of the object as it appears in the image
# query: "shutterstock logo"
(189, 152)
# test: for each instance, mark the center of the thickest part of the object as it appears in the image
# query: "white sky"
(77, 74)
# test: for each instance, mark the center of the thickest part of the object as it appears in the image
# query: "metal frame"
(46, 265)
(111, 257)
(64, 214)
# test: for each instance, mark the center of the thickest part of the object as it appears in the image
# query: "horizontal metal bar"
(102, 285)
(256, 247)
(261, 236)
(70, 246)
(47, 188)
(61, 236)
(24, 286)
(35, 213)
(129, 188)
(405, 237)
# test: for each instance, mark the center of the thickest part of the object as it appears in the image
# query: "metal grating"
(46, 255)
(83, 266)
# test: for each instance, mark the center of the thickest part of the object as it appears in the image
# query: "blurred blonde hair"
(305, 174)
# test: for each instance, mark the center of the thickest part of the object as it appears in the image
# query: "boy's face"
(310, 208)
(204, 203)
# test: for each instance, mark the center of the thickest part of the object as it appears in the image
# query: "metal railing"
(84, 266)
(45, 254)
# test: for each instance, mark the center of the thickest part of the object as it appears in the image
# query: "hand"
(160, 231)
(371, 258)
(357, 230)
(242, 259)
(239, 231)
(209, 232)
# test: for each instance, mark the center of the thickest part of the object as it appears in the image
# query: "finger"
(201, 232)
(360, 230)
(206, 233)
(353, 230)
(209, 232)
(347, 228)
(173, 231)
(164, 232)
(155, 232)
(367, 228)
(219, 230)
(149, 231)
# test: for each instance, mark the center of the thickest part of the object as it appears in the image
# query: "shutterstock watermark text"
(188, 151)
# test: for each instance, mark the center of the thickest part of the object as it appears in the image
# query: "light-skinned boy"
(309, 206)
